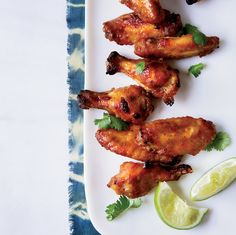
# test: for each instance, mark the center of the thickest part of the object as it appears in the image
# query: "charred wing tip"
(191, 2)
(169, 101)
(111, 65)
(82, 101)
(178, 84)
(113, 55)
(109, 31)
(185, 169)
(172, 17)
(111, 68)
(217, 41)
(176, 160)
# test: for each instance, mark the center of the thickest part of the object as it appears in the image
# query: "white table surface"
(33, 118)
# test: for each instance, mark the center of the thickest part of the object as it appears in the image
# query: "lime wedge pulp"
(174, 211)
(215, 180)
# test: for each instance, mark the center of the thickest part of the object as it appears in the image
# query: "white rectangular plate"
(210, 96)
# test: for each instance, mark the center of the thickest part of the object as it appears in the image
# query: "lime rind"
(214, 181)
(174, 211)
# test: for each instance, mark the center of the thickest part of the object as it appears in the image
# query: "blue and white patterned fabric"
(80, 223)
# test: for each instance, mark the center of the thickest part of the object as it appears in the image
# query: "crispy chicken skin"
(174, 47)
(160, 140)
(150, 11)
(134, 180)
(132, 104)
(157, 78)
(129, 28)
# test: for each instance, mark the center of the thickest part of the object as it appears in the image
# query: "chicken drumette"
(157, 77)
(132, 104)
(134, 180)
(160, 140)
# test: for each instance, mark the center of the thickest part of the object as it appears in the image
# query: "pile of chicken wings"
(158, 146)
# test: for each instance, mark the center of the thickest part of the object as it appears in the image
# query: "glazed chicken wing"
(160, 140)
(157, 78)
(134, 180)
(132, 104)
(174, 47)
(149, 11)
(129, 28)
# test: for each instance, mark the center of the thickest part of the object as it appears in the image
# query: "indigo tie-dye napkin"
(79, 219)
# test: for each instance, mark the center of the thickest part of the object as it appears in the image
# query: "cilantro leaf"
(121, 205)
(196, 69)
(140, 66)
(103, 123)
(221, 141)
(189, 29)
(118, 124)
(109, 121)
(198, 37)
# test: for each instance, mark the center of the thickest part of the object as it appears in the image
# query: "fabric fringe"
(78, 215)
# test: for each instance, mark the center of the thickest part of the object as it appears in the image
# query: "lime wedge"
(174, 211)
(215, 180)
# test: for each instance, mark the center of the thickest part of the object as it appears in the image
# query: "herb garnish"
(198, 37)
(121, 205)
(221, 141)
(140, 66)
(196, 69)
(109, 121)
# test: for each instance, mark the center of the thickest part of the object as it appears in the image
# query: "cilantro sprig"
(109, 121)
(121, 205)
(221, 141)
(196, 69)
(198, 37)
(140, 66)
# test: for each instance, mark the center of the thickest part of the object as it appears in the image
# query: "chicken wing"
(132, 104)
(134, 180)
(157, 78)
(160, 140)
(174, 47)
(129, 28)
(149, 11)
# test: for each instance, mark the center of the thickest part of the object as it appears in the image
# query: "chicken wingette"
(134, 180)
(149, 11)
(157, 77)
(174, 47)
(132, 104)
(160, 140)
(129, 28)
